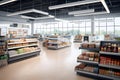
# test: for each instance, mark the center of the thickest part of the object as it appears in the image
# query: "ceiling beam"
(73, 4)
(6, 1)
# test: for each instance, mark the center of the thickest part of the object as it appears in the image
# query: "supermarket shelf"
(77, 41)
(23, 56)
(109, 77)
(22, 42)
(53, 43)
(109, 66)
(85, 72)
(85, 61)
(21, 47)
(52, 47)
(110, 53)
(53, 38)
(23, 53)
(20, 38)
(56, 47)
(90, 49)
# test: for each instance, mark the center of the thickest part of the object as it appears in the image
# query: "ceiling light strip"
(20, 12)
(28, 11)
(6, 1)
(46, 17)
(81, 11)
(73, 4)
(41, 12)
(61, 20)
(95, 13)
(105, 6)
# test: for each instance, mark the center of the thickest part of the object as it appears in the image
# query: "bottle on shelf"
(105, 47)
(108, 47)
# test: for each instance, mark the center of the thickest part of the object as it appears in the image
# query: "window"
(110, 25)
(117, 26)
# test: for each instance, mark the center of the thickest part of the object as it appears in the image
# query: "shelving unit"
(109, 61)
(78, 39)
(110, 53)
(108, 77)
(58, 42)
(90, 49)
(22, 48)
(109, 65)
(90, 60)
(84, 72)
(3, 55)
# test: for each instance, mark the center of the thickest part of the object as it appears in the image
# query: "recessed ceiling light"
(73, 4)
(28, 11)
(6, 1)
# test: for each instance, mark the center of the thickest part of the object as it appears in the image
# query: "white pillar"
(92, 26)
(32, 27)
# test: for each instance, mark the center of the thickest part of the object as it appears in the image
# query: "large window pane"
(117, 21)
(102, 30)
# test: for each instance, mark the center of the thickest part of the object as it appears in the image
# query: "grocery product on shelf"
(3, 60)
(3, 56)
(80, 66)
(89, 45)
(21, 48)
(110, 60)
(88, 68)
(110, 47)
(78, 38)
(22, 40)
(57, 42)
(91, 56)
(109, 72)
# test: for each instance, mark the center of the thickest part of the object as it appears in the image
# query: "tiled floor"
(50, 65)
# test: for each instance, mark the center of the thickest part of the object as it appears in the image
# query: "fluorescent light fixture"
(50, 16)
(105, 6)
(81, 11)
(46, 17)
(73, 4)
(26, 17)
(95, 13)
(28, 11)
(6, 1)
(61, 20)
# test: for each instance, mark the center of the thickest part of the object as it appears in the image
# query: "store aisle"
(50, 65)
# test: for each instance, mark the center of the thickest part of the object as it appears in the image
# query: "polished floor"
(50, 65)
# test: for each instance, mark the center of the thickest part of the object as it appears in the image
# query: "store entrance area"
(50, 65)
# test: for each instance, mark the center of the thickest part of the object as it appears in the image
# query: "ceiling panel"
(114, 6)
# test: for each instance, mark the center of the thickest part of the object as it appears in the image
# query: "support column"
(92, 26)
(32, 27)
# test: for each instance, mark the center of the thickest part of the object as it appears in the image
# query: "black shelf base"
(87, 75)
(92, 76)
(23, 57)
(57, 48)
